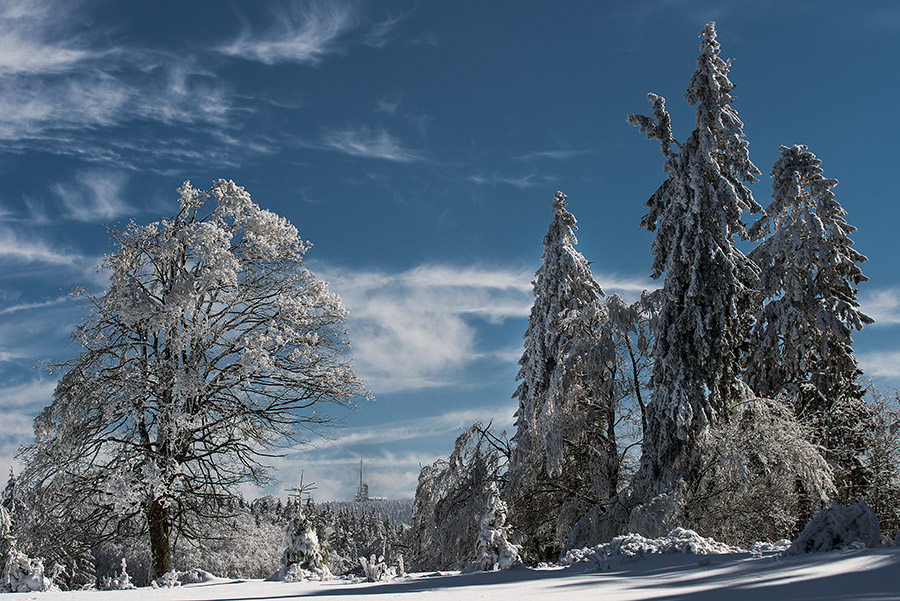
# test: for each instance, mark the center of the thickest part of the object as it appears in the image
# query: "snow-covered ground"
(850, 575)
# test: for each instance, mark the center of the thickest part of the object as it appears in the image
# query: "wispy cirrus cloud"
(521, 182)
(97, 195)
(364, 142)
(425, 427)
(303, 33)
(556, 155)
(35, 305)
(38, 109)
(30, 42)
(882, 305)
(388, 105)
(13, 246)
(383, 32)
(413, 329)
(64, 90)
(881, 364)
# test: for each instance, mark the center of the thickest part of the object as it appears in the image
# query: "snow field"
(850, 575)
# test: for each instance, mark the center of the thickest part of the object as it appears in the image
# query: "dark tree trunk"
(160, 525)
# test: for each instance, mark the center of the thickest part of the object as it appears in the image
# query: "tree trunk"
(160, 525)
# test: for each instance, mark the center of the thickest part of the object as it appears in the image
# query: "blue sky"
(417, 145)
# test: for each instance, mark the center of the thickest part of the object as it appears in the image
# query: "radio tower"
(362, 494)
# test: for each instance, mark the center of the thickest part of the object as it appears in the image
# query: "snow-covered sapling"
(493, 551)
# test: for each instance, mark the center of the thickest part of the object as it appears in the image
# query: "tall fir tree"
(553, 477)
(705, 312)
(802, 341)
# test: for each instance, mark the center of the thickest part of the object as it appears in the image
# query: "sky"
(417, 146)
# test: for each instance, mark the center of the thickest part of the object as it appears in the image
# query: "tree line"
(736, 378)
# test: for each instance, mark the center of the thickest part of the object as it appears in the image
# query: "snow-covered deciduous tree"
(7, 539)
(761, 477)
(561, 440)
(450, 501)
(802, 342)
(704, 314)
(883, 460)
(493, 551)
(212, 346)
(616, 369)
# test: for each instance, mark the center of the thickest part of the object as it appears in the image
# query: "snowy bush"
(174, 578)
(377, 570)
(838, 527)
(118, 582)
(23, 574)
(678, 540)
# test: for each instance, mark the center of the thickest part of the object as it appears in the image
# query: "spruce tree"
(802, 340)
(553, 476)
(707, 291)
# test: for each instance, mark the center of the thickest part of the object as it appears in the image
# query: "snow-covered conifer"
(549, 466)
(493, 551)
(306, 554)
(303, 545)
(704, 315)
(802, 341)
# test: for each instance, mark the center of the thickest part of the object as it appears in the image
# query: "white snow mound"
(679, 540)
(839, 527)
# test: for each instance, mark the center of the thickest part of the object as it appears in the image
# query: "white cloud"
(30, 306)
(10, 356)
(29, 42)
(37, 109)
(18, 248)
(31, 395)
(382, 33)
(336, 476)
(525, 181)
(364, 142)
(60, 90)
(628, 287)
(98, 196)
(410, 329)
(20, 403)
(882, 305)
(557, 155)
(306, 33)
(880, 364)
(387, 105)
(426, 427)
